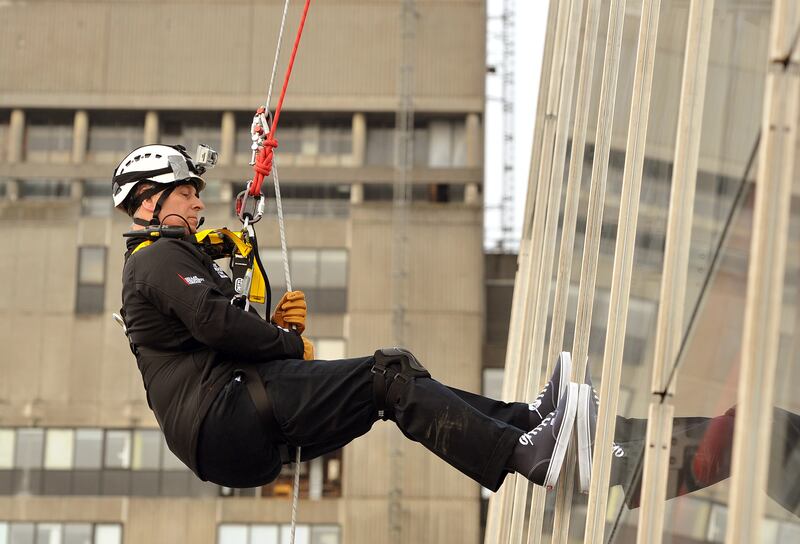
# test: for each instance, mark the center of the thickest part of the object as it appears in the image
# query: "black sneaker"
(545, 446)
(554, 389)
(586, 426)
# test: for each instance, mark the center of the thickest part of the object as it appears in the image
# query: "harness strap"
(387, 386)
(263, 404)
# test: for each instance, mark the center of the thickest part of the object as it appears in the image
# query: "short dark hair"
(141, 192)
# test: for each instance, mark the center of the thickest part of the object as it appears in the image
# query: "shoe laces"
(534, 406)
(547, 421)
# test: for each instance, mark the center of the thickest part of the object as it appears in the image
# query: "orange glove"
(308, 349)
(291, 311)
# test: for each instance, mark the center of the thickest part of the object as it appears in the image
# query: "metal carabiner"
(243, 199)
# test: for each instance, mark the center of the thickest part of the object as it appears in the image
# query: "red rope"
(263, 165)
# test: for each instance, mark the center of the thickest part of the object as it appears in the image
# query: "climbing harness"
(250, 280)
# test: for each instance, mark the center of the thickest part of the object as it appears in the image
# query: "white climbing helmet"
(154, 163)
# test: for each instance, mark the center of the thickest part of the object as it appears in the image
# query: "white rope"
(284, 250)
(281, 226)
(275, 63)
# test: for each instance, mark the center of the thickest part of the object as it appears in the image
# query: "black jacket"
(188, 337)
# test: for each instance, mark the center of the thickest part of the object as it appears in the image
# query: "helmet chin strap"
(155, 221)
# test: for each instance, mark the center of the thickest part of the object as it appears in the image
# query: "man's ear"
(149, 204)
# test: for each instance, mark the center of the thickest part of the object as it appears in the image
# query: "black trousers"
(322, 405)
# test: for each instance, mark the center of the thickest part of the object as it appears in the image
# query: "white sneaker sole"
(566, 372)
(563, 438)
(584, 437)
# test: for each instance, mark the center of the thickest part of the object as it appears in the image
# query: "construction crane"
(503, 239)
(507, 242)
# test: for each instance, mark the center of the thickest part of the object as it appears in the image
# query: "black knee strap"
(393, 369)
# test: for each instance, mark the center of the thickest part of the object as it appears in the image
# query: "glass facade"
(136, 462)
(113, 134)
(90, 292)
(260, 533)
(14, 532)
(703, 390)
(48, 136)
(320, 273)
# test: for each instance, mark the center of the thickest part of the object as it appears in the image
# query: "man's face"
(183, 202)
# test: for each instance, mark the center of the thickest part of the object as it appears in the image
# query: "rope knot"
(263, 165)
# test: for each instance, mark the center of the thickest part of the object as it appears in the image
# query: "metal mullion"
(622, 270)
(765, 279)
(515, 515)
(595, 211)
(548, 240)
(541, 106)
(501, 505)
(567, 247)
(669, 330)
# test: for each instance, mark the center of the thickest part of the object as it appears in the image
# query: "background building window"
(257, 533)
(131, 462)
(95, 201)
(90, 293)
(59, 533)
(308, 142)
(438, 143)
(113, 134)
(320, 273)
(190, 129)
(6, 449)
(29, 448)
(330, 348)
(5, 116)
(48, 136)
(58, 453)
(44, 188)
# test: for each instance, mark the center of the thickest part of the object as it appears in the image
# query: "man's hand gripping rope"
(290, 312)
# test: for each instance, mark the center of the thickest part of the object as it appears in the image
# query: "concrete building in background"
(81, 84)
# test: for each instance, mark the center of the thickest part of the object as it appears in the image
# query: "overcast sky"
(530, 23)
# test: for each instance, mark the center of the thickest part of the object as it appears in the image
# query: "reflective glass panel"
(707, 378)
(6, 448)
(88, 448)
(232, 534)
(77, 533)
(21, 533)
(329, 348)
(107, 534)
(29, 448)
(44, 188)
(146, 449)
(264, 534)
(302, 534)
(59, 449)
(333, 268)
(118, 449)
(304, 264)
(49, 533)
(92, 265)
(325, 534)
